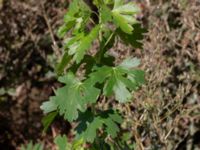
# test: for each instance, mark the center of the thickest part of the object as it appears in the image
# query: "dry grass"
(165, 113)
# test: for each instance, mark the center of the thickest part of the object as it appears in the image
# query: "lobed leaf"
(130, 63)
(122, 22)
(120, 80)
(79, 44)
(85, 44)
(62, 143)
(76, 17)
(123, 15)
(127, 9)
(90, 123)
(32, 146)
(71, 98)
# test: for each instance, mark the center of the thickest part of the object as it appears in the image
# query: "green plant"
(60, 142)
(31, 146)
(63, 144)
(89, 77)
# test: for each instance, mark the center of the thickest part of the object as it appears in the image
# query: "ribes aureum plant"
(88, 76)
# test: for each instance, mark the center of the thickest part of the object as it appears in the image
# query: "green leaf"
(63, 63)
(90, 132)
(61, 142)
(73, 40)
(79, 48)
(126, 136)
(90, 123)
(127, 9)
(137, 77)
(122, 94)
(47, 120)
(82, 18)
(111, 120)
(32, 146)
(130, 19)
(76, 17)
(108, 2)
(100, 74)
(72, 98)
(49, 106)
(72, 10)
(135, 38)
(77, 9)
(78, 145)
(120, 80)
(69, 18)
(109, 87)
(105, 14)
(130, 63)
(122, 22)
(65, 28)
(123, 15)
(118, 3)
(89, 62)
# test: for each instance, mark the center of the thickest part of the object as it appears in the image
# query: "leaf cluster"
(76, 99)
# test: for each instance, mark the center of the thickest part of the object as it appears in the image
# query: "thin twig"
(55, 47)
